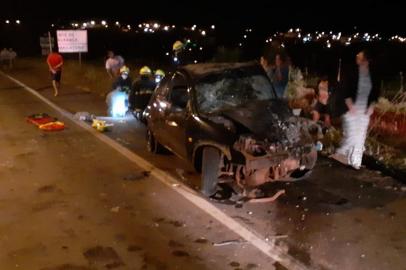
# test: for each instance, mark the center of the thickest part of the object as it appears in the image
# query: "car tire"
(210, 170)
(153, 146)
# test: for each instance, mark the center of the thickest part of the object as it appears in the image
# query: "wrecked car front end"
(271, 144)
(266, 161)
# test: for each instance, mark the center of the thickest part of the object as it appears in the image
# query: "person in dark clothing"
(141, 91)
(123, 82)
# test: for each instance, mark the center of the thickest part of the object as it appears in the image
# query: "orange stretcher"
(45, 122)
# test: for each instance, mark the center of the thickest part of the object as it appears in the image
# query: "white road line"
(272, 251)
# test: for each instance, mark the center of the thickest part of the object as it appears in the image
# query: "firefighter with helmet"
(141, 92)
(159, 75)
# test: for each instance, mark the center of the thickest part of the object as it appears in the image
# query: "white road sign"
(72, 41)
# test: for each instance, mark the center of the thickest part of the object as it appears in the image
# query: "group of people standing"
(355, 97)
(133, 95)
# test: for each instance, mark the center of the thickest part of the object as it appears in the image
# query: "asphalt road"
(337, 219)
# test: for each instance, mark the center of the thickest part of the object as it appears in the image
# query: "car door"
(175, 115)
(157, 109)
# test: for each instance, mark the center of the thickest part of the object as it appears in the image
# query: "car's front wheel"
(210, 170)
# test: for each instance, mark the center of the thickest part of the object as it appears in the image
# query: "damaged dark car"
(227, 121)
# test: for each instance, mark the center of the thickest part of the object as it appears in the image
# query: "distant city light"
(117, 23)
(203, 33)
(92, 22)
(201, 48)
(195, 61)
(17, 21)
(84, 24)
(156, 25)
(245, 36)
(7, 21)
(166, 28)
(103, 22)
(213, 27)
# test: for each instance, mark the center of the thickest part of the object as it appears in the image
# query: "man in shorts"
(55, 63)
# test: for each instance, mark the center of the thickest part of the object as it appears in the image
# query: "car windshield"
(232, 88)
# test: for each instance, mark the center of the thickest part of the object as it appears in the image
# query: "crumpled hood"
(270, 119)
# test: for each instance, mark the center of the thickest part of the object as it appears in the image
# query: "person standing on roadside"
(113, 64)
(361, 89)
(55, 63)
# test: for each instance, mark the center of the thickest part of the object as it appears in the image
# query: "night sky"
(381, 16)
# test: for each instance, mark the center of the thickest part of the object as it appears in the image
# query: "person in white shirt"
(113, 64)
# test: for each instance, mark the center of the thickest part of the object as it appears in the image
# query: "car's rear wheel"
(153, 146)
(210, 170)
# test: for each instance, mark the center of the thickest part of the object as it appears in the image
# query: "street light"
(18, 22)
(92, 22)
(7, 21)
(213, 27)
(103, 22)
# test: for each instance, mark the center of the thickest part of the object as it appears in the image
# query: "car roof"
(201, 70)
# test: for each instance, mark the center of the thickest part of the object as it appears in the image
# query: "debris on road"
(181, 174)
(268, 199)
(137, 176)
(229, 242)
(180, 253)
(201, 240)
(103, 256)
(101, 125)
(84, 116)
(122, 141)
(115, 209)
(275, 237)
